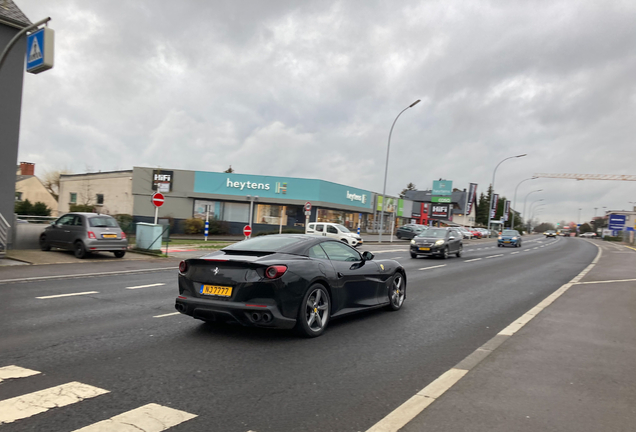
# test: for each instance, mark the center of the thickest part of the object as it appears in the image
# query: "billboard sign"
(442, 188)
(472, 197)
(162, 180)
(493, 209)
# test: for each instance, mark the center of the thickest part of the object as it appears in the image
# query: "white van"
(336, 231)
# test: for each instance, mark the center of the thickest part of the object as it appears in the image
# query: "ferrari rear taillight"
(91, 235)
(276, 271)
(183, 267)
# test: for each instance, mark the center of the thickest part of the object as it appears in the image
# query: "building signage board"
(442, 188)
(617, 222)
(162, 180)
(439, 211)
(390, 204)
(281, 187)
(446, 200)
(40, 54)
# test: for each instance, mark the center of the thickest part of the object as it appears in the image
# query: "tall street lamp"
(532, 210)
(386, 169)
(526, 199)
(536, 209)
(492, 192)
(579, 222)
(514, 201)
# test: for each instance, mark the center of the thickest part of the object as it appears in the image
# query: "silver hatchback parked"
(84, 233)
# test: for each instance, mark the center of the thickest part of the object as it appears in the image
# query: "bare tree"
(51, 181)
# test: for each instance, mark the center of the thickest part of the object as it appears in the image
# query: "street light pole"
(492, 185)
(526, 199)
(514, 201)
(386, 169)
(532, 210)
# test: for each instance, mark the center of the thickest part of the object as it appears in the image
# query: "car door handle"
(340, 275)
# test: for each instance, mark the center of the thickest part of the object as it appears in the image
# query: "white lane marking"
(432, 267)
(606, 281)
(527, 250)
(168, 314)
(406, 412)
(494, 256)
(385, 251)
(512, 253)
(146, 286)
(148, 418)
(535, 247)
(30, 404)
(475, 259)
(70, 276)
(10, 372)
(67, 295)
(396, 258)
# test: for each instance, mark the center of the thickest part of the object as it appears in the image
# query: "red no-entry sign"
(158, 199)
(247, 230)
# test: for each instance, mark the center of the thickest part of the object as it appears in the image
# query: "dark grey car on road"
(84, 233)
(437, 241)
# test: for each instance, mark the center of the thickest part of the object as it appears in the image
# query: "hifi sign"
(439, 211)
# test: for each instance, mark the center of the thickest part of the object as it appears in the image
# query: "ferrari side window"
(317, 252)
(338, 251)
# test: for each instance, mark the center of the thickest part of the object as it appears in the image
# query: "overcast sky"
(310, 89)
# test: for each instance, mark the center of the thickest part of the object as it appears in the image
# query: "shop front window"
(271, 214)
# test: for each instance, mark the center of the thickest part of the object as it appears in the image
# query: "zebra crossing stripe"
(30, 404)
(148, 418)
(10, 372)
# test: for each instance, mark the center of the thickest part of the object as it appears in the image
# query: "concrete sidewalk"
(572, 367)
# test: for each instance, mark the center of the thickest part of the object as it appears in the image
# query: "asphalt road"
(234, 379)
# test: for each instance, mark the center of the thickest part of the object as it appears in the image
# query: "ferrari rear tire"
(397, 292)
(314, 312)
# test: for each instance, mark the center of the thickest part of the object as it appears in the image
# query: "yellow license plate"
(109, 235)
(425, 249)
(222, 291)
(506, 241)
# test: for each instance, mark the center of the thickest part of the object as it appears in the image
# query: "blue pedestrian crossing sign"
(39, 55)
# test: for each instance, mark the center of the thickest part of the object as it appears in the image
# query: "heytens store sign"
(280, 187)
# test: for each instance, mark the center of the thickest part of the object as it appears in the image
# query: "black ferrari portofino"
(288, 281)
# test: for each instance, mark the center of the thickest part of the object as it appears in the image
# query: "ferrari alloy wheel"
(397, 292)
(314, 312)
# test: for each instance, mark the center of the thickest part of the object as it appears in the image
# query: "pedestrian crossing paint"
(11, 372)
(30, 404)
(148, 418)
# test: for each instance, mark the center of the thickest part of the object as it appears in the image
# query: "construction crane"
(589, 176)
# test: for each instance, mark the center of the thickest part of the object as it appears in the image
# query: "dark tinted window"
(102, 222)
(435, 232)
(319, 227)
(332, 229)
(264, 244)
(317, 252)
(338, 251)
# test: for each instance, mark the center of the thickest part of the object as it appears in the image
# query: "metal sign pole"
(207, 220)
(156, 214)
(280, 226)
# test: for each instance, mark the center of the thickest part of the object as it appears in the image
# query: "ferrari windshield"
(269, 243)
